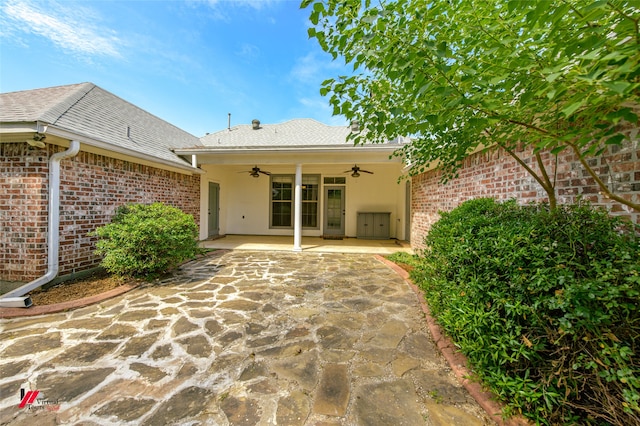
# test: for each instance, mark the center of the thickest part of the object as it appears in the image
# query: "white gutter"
(13, 298)
(285, 150)
(179, 165)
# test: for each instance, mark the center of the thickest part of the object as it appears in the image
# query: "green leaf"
(551, 93)
(553, 76)
(600, 4)
(314, 18)
(497, 79)
(432, 119)
(369, 19)
(618, 87)
(615, 139)
(569, 110)
(615, 116)
(478, 122)
(594, 54)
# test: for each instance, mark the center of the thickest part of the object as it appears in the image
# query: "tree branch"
(544, 182)
(603, 186)
(543, 170)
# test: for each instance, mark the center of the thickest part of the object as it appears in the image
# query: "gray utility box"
(373, 225)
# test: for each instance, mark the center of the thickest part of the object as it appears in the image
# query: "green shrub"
(146, 240)
(544, 304)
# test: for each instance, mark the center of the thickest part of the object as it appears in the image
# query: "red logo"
(28, 397)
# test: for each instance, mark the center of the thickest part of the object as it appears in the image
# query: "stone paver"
(239, 338)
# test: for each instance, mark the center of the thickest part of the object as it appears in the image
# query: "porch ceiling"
(294, 155)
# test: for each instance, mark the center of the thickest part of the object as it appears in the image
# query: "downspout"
(16, 298)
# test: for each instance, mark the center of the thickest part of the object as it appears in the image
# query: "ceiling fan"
(255, 172)
(355, 171)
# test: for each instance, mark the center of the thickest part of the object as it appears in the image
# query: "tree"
(463, 75)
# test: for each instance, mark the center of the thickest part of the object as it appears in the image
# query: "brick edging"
(65, 306)
(456, 360)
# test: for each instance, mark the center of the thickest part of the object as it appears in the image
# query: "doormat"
(331, 237)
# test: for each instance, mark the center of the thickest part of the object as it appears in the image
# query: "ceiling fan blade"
(365, 171)
(265, 173)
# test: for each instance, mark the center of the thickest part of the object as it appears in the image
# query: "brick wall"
(23, 211)
(92, 187)
(496, 174)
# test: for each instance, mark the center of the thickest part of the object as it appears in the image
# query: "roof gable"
(87, 110)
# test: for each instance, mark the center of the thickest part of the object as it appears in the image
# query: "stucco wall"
(497, 175)
(92, 187)
(244, 201)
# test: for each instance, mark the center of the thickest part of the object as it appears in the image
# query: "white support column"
(297, 210)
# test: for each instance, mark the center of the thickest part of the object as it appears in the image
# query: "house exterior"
(82, 151)
(299, 155)
(70, 155)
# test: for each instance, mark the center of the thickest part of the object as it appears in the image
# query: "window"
(310, 189)
(335, 180)
(282, 199)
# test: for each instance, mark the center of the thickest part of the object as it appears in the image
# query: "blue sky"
(188, 62)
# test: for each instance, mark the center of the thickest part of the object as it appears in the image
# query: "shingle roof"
(298, 132)
(86, 109)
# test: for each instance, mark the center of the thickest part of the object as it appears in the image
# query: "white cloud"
(308, 72)
(219, 7)
(313, 68)
(255, 4)
(69, 28)
(307, 68)
(320, 109)
(248, 51)
(316, 103)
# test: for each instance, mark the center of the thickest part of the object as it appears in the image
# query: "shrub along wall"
(92, 187)
(544, 304)
(497, 175)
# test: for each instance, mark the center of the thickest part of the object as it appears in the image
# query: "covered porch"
(300, 179)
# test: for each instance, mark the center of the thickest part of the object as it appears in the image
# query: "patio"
(239, 338)
(309, 244)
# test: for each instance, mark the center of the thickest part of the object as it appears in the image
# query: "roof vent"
(355, 126)
(255, 124)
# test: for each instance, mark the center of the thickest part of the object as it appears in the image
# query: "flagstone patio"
(239, 338)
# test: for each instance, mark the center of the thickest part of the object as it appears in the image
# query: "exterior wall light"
(37, 140)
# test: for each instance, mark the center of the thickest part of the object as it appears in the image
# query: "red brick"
(87, 201)
(478, 178)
